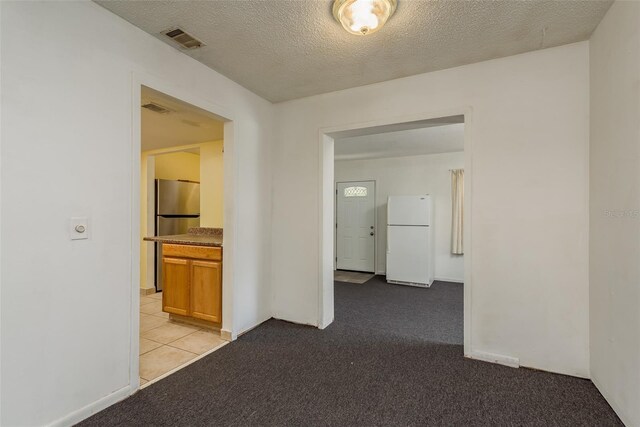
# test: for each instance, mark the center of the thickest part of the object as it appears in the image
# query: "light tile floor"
(167, 345)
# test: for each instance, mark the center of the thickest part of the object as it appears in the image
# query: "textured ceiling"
(185, 124)
(287, 49)
(431, 140)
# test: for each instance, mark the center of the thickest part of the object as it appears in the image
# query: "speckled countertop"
(198, 236)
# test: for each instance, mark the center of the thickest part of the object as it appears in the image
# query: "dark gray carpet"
(392, 357)
(380, 309)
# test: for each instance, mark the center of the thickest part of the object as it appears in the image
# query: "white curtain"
(457, 211)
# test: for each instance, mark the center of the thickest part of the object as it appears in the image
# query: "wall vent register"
(355, 192)
(183, 38)
(156, 108)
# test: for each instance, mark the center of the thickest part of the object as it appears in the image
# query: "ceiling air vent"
(184, 39)
(157, 108)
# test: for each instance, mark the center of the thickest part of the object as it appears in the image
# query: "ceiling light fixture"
(363, 17)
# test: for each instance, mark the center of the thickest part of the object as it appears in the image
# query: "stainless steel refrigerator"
(177, 209)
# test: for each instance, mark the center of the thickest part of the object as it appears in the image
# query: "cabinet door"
(175, 291)
(206, 290)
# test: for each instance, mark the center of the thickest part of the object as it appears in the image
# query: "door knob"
(371, 234)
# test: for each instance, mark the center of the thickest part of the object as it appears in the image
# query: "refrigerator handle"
(388, 248)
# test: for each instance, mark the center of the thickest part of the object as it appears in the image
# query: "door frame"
(231, 169)
(326, 200)
(375, 221)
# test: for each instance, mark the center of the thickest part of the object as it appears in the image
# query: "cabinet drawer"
(188, 251)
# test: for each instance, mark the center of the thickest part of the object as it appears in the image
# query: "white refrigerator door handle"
(388, 248)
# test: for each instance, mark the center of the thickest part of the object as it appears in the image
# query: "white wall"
(67, 73)
(615, 209)
(529, 136)
(423, 174)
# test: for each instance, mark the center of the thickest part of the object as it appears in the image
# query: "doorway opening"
(182, 293)
(396, 191)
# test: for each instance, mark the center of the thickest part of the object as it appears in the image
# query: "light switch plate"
(79, 228)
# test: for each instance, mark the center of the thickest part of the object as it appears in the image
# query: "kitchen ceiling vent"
(156, 108)
(184, 39)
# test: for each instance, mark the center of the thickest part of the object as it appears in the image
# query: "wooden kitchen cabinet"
(176, 295)
(206, 289)
(192, 284)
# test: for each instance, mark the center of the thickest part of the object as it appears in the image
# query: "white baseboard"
(295, 322)
(448, 279)
(230, 336)
(326, 322)
(93, 408)
(441, 279)
(617, 409)
(512, 362)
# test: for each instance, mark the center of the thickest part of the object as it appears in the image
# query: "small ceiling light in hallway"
(363, 17)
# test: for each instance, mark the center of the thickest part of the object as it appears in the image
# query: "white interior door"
(355, 226)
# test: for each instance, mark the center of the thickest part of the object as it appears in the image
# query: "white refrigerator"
(410, 250)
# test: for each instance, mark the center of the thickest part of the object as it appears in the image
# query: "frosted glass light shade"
(363, 17)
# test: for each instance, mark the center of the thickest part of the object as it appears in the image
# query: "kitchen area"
(181, 259)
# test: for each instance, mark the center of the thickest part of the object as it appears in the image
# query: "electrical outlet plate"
(79, 228)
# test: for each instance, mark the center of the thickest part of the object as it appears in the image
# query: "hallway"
(380, 363)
